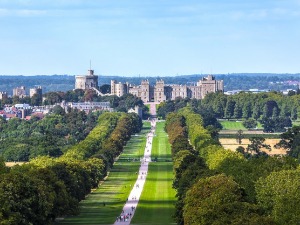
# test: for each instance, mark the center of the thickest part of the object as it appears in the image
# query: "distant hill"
(241, 81)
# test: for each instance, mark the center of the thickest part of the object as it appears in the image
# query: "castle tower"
(145, 91)
(210, 84)
(159, 91)
(36, 90)
(19, 91)
(86, 82)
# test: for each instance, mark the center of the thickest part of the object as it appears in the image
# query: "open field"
(156, 205)
(231, 143)
(10, 164)
(116, 188)
(235, 125)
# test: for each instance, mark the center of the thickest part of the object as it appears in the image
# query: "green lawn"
(235, 125)
(161, 148)
(156, 205)
(115, 190)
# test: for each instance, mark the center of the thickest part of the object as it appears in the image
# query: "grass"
(161, 148)
(236, 125)
(156, 205)
(115, 190)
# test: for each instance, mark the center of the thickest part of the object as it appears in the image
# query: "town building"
(161, 92)
(87, 106)
(137, 110)
(37, 90)
(86, 82)
(3, 95)
(19, 91)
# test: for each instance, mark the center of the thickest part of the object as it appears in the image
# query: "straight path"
(153, 109)
(134, 196)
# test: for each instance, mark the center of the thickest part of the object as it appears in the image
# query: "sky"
(149, 37)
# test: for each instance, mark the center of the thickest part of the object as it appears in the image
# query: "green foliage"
(279, 194)
(22, 140)
(25, 199)
(190, 178)
(256, 144)
(290, 140)
(45, 188)
(250, 123)
(277, 124)
(219, 200)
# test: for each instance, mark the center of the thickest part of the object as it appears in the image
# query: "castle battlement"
(161, 92)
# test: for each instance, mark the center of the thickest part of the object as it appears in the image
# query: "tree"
(241, 150)
(257, 143)
(237, 111)
(58, 110)
(24, 199)
(279, 195)
(105, 89)
(229, 109)
(290, 140)
(269, 107)
(239, 136)
(52, 98)
(36, 100)
(256, 111)
(247, 110)
(250, 123)
(219, 200)
(275, 113)
(294, 113)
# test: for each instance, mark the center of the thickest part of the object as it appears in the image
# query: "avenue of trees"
(218, 186)
(273, 109)
(46, 188)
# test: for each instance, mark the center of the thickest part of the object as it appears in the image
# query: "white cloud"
(21, 12)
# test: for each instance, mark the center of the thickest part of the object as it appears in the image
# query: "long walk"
(132, 201)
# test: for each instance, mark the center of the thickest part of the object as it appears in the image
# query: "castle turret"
(86, 82)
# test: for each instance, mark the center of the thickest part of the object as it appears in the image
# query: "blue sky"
(149, 37)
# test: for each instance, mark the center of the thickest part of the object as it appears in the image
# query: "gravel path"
(129, 208)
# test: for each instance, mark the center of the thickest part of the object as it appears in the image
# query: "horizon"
(149, 37)
(153, 76)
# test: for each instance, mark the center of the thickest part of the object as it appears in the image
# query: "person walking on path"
(130, 206)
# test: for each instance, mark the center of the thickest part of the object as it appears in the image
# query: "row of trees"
(274, 110)
(45, 188)
(218, 186)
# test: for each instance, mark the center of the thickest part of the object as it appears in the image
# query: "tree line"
(273, 109)
(219, 186)
(46, 188)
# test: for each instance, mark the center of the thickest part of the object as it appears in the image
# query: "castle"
(86, 82)
(161, 92)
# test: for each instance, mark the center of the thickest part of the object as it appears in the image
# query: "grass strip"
(156, 205)
(104, 204)
(236, 125)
